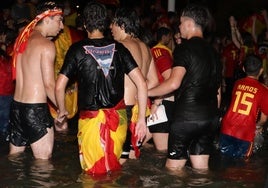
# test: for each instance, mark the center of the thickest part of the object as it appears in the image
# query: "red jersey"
(6, 83)
(163, 59)
(248, 97)
(230, 54)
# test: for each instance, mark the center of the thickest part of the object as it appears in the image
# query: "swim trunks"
(29, 122)
(234, 147)
(190, 137)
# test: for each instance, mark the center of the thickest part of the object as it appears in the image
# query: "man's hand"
(140, 130)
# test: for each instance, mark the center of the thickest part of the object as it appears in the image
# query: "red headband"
(21, 41)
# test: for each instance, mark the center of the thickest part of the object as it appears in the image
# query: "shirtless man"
(125, 29)
(33, 61)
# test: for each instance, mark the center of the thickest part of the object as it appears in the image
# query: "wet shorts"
(29, 122)
(234, 147)
(190, 138)
(164, 127)
(127, 144)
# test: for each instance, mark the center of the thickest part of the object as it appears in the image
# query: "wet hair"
(47, 5)
(95, 17)
(199, 13)
(252, 65)
(162, 31)
(128, 20)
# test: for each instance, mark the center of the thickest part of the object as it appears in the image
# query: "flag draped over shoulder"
(22, 39)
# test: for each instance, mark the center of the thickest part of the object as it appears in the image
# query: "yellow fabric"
(135, 113)
(89, 140)
(62, 43)
(160, 45)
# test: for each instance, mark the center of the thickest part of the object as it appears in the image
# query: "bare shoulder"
(46, 45)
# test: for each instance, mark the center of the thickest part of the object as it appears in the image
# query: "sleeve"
(69, 67)
(128, 61)
(180, 56)
(164, 61)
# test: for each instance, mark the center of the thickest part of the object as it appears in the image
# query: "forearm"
(236, 38)
(50, 91)
(142, 99)
(160, 90)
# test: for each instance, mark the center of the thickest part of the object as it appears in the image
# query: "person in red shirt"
(249, 97)
(164, 60)
(229, 57)
(6, 83)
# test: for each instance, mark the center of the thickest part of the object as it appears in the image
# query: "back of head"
(95, 17)
(252, 65)
(128, 19)
(199, 13)
(162, 31)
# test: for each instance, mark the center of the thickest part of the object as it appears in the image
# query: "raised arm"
(235, 34)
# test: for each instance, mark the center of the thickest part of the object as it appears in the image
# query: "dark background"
(221, 9)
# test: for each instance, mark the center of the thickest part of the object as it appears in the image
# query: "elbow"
(173, 86)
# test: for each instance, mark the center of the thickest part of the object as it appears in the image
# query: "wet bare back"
(35, 73)
(142, 55)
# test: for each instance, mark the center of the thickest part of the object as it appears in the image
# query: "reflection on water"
(63, 170)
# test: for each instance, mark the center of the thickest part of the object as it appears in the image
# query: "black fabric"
(196, 98)
(100, 85)
(29, 122)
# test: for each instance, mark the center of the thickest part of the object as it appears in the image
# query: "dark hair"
(95, 17)
(162, 31)
(252, 65)
(129, 20)
(47, 5)
(199, 13)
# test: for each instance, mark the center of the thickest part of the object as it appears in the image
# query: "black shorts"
(164, 127)
(29, 122)
(190, 138)
(127, 144)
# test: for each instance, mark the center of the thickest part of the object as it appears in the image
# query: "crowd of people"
(131, 80)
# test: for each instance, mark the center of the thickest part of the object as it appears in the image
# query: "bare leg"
(42, 149)
(161, 141)
(173, 164)
(15, 149)
(199, 161)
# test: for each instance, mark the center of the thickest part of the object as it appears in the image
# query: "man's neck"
(96, 34)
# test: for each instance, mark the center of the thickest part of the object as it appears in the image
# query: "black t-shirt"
(196, 98)
(99, 66)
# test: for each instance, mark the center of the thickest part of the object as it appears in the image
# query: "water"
(63, 170)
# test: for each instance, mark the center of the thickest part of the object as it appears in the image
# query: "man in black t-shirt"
(195, 78)
(99, 65)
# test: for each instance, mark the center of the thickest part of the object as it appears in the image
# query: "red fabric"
(246, 24)
(6, 83)
(76, 35)
(163, 60)
(248, 97)
(134, 139)
(231, 54)
(109, 161)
